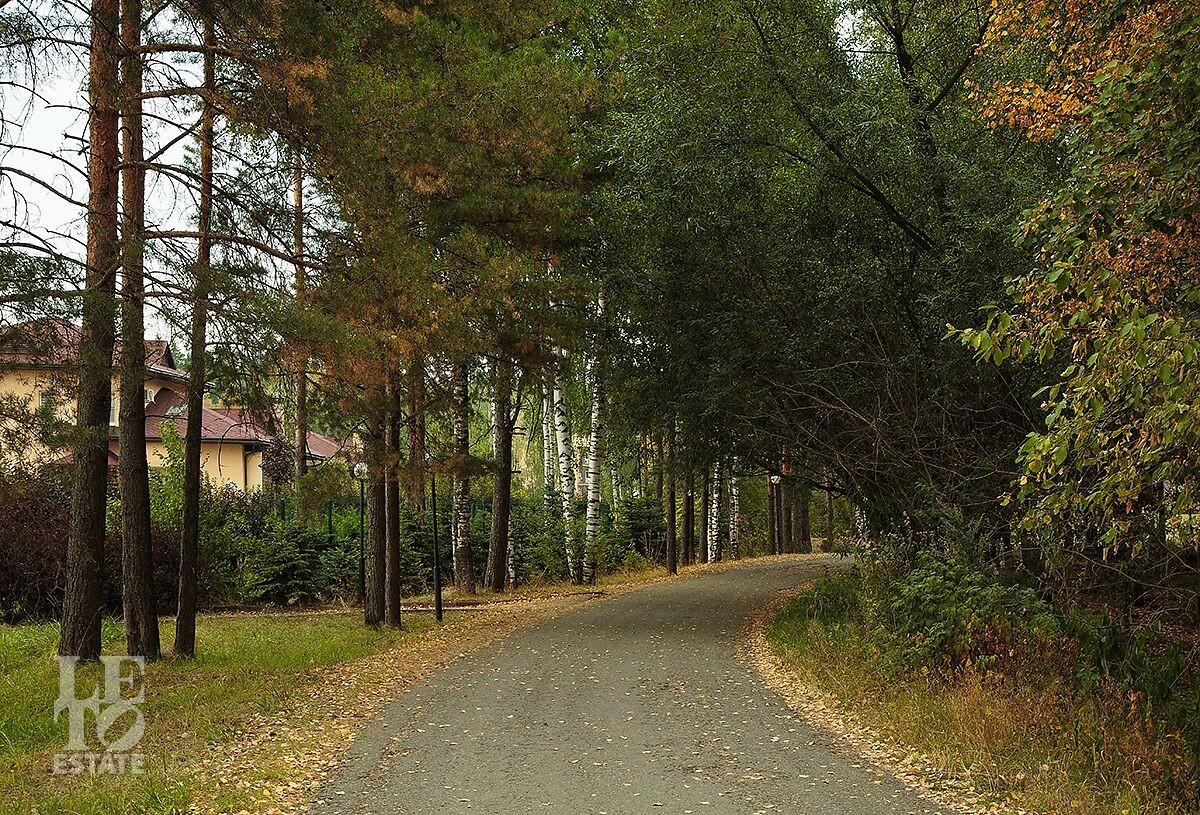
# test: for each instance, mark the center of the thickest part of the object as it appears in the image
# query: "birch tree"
(714, 515)
(735, 509)
(594, 475)
(549, 459)
(566, 476)
(464, 569)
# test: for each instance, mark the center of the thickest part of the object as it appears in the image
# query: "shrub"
(943, 617)
(282, 567)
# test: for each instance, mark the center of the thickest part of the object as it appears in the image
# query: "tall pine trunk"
(391, 505)
(80, 634)
(464, 568)
(189, 547)
(566, 477)
(301, 407)
(705, 489)
(137, 558)
(375, 545)
(504, 422)
(415, 425)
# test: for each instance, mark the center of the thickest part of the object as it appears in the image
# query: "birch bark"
(735, 535)
(592, 528)
(714, 516)
(566, 477)
(464, 569)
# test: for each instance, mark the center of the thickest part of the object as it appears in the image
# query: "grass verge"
(247, 665)
(1021, 744)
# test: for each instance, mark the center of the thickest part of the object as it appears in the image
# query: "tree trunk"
(503, 422)
(830, 543)
(137, 556)
(301, 437)
(566, 478)
(689, 518)
(772, 529)
(549, 464)
(672, 542)
(786, 539)
(594, 463)
(391, 501)
(705, 489)
(735, 508)
(714, 515)
(415, 423)
(375, 556)
(189, 547)
(464, 568)
(85, 547)
(658, 470)
(804, 532)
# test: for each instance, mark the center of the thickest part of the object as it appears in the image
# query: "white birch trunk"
(566, 473)
(735, 508)
(592, 528)
(464, 572)
(511, 565)
(714, 515)
(549, 476)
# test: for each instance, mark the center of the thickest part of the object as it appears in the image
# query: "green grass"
(1037, 744)
(247, 664)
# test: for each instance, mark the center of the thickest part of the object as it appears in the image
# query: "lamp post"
(361, 471)
(437, 554)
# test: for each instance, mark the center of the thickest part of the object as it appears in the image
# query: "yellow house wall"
(222, 463)
(27, 387)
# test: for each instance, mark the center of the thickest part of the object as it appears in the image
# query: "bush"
(943, 617)
(281, 568)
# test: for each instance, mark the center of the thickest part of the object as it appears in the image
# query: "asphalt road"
(635, 704)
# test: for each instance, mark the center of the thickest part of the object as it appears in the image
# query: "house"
(37, 377)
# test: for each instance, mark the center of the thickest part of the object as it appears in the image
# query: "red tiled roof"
(69, 459)
(233, 425)
(323, 447)
(53, 342)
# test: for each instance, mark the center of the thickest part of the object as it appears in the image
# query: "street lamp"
(361, 472)
(437, 553)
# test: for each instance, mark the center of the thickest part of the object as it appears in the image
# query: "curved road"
(635, 704)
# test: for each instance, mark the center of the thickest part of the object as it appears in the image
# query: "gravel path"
(635, 704)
